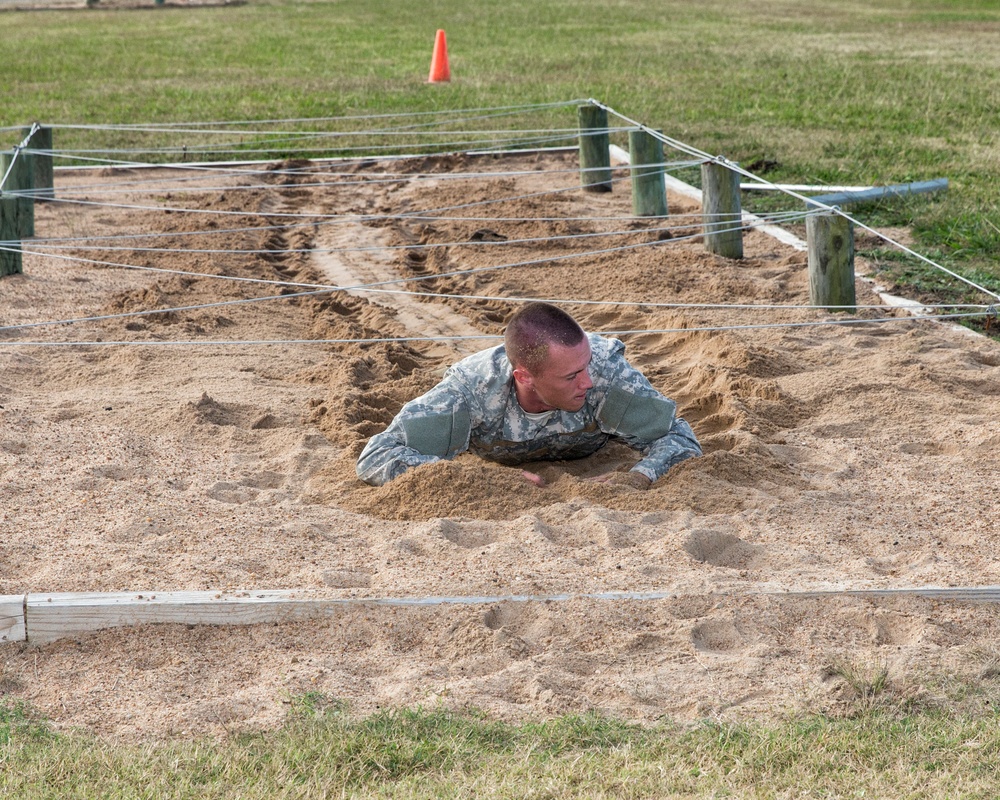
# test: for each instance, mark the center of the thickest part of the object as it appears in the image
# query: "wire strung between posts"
(737, 226)
(157, 185)
(634, 124)
(863, 226)
(387, 282)
(313, 169)
(315, 290)
(374, 286)
(424, 215)
(676, 144)
(667, 140)
(82, 242)
(277, 145)
(924, 258)
(440, 118)
(320, 290)
(40, 246)
(272, 138)
(237, 166)
(313, 215)
(433, 214)
(480, 113)
(335, 219)
(395, 281)
(408, 215)
(808, 201)
(408, 339)
(273, 153)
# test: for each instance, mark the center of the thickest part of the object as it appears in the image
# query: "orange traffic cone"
(439, 61)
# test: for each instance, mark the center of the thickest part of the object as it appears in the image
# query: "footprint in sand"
(463, 533)
(500, 616)
(717, 636)
(721, 549)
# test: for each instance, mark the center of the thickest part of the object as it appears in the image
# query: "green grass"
(323, 752)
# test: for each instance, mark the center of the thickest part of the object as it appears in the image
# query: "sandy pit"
(836, 457)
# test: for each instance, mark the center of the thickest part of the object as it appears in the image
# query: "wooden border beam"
(41, 618)
(53, 616)
(12, 618)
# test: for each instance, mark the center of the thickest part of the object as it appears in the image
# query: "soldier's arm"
(435, 426)
(635, 412)
(677, 445)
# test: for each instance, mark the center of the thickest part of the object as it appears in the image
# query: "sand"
(836, 457)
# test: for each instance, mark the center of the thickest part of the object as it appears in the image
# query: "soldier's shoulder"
(485, 364)
(605, 347)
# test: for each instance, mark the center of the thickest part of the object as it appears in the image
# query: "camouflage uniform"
(475, 408)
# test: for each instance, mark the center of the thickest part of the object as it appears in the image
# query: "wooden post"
(20, 178)
(649, 191)
(10, 244)
(41, 139)
(722, 213)
(595, 149)
(830, 238)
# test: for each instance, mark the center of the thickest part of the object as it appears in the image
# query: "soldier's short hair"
(533, 328)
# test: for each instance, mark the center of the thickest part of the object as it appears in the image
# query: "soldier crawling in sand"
(549, 392)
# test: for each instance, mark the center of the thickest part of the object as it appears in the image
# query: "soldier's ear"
(523, 377)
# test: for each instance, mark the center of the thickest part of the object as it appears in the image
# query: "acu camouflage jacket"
(475, 408)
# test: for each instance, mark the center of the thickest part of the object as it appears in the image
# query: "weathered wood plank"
(54, 616)
(12, 618)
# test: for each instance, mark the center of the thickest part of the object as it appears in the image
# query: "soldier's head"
(550, 354)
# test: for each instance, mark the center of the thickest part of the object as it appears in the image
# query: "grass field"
(844, 92)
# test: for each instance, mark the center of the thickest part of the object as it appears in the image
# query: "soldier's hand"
(532, 477)
(634, 479)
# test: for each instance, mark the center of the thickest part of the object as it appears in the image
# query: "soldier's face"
(564, 379)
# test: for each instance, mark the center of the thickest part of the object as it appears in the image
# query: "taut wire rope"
(403, 339)
(827, 208)
(427, 214)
